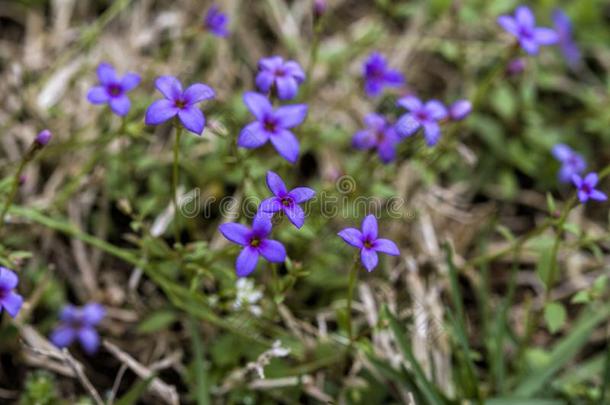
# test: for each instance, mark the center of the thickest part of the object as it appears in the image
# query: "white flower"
(247, 296)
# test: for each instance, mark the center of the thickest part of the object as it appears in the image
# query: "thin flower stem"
(175, 178)
(353, 275)
(13, 192)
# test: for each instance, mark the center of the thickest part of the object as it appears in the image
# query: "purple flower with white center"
(179, 103)
(571, 162)
(380, 135)
(216, 21)
(368, 242)
(113, 89)
(79, 324)
(563, 27)
(460, 110)
(255, 242)
(378, 75)
(586, 188)
(523, 27)
(286, 201)
(283, 76)
(10, 301)
(43, 137)
(421, 115)
(272, 125)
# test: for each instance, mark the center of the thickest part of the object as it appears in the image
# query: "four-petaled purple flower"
(377, 75)
(286, 201)
(523, 27)
(571, 162)
(255, 242)
(563, 27)
(586, 188)
(283, 76)
(179, 103)
(379, 134)
(272, 125)
(79, 324)
(216, 21)
(421, 115)
(460, 110)
(112, 89)
(10, 301)
(368, 242)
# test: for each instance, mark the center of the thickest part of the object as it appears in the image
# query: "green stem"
(175, 178)
(353, 275)
(13, 192)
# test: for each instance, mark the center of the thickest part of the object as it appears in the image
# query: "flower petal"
(436, 109)
(106, 73)
(120, 105)
(369, 259)
(374, 121)
(291, 115)
(529, 45)
(276, 184)
(363, 139)
(302, 194)
(561, 152)
(591, 179)
(598, 195)
(130, 81)
(93, 313)
(246, 261)
(198, 92)
(386, 246)
(272, 250)
(352, 236)
(577, 180)
(295, 214)
(293, 69)
(509, 24)
(432, 133)
(270, 63)
(261, 224)
(63, 336)
(97, 95)
(271, 204)
(583, 196)
(236, 233)
(545, 36)
(369, 227)
(393, 78)
(192, 118)
(12, 303)
(169, 86)
(8, 279)
(287, 145)
(160, 111)
(89, 339)
(407, 125)
(287, 87)
(524, 16)
(258, 104)
(386, 151)
(264, 80)
(252, 136)
(373, 87)
(411, 103)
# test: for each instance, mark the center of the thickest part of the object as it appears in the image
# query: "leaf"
(523, 401)
(555, 316)
(156, 321)
(135, 392)
(581, 297)
(201, 382)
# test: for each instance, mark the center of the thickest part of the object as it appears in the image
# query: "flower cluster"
(572, 166)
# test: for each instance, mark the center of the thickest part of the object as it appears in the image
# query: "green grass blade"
(201, 382)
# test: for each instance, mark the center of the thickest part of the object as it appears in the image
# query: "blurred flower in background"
(380, 135)
(216, 21)
(563, 27)
(378, 75)
(571, 162)
(10, 301)
(523, 27)
(283, 76)
(460, 110)
(79, 324)
(420, 115)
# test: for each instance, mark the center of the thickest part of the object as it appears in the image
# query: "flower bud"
(516, 66)
(460, 110)
(43, 137)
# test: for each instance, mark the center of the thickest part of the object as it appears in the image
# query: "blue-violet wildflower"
(79, 324)
(379, 134)
(421, 115)
(286, 201)
(378, 75)
(586, 188)
(563, 27)
(571, 162)
(283, 76)
(523, 27)
(216, 21)
(10, 301)
(113, 89)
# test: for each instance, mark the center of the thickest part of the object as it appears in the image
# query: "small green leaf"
(156, 321)
(555, 316)
(581, 297)
(550, 203)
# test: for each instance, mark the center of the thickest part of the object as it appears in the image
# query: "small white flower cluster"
(247, 296)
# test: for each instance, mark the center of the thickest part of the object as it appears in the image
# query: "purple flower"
(523, 27)
(272, 125)
(179, 103)
(216, 21)
(460, 110)
(380, 135)
(571, 162)
(112, 89)
(516, 66)
(255, 243)
(421, 115)
(368, 242)
(586, 188)
(285, 77)
(377, 75)
(43, 137)
(10, 301)
(286, 201)
(79, 323)
(563, 27)
(319, 7)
